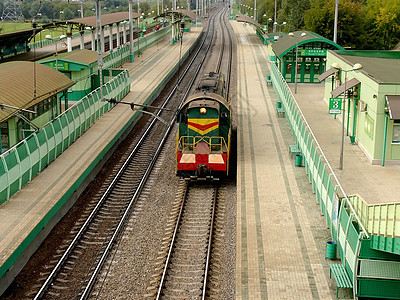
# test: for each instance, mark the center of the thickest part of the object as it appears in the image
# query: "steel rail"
(210, 242)
(162, 281)
(84, 227)
(92, 280)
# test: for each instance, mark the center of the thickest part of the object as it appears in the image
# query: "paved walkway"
(280, 233)
(27, 209)
(374, 183)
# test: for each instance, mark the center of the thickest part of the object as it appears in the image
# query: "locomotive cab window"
(224, 118)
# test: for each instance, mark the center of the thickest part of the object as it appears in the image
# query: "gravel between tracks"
(129, 270)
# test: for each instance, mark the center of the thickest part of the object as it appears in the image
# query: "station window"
(369, 126)
(396, 134)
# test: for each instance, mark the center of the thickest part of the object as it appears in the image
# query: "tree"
(320, 19)
(383, 24)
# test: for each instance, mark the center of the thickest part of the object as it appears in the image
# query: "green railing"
(21, 163)
(345, 226)
(119, 56)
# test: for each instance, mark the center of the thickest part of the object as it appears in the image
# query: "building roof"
(107, 19)
(181, 13)
(247, 19)
(393, 102)
(381, 66)
(288, 42)
(18, 37)
(83, 56)
(17, 82)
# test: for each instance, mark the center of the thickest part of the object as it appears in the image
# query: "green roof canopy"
(288, 42)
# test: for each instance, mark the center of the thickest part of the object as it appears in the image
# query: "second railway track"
(83, 258)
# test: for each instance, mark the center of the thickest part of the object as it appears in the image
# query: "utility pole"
(336, 21)
(99, 49)
(131, 32)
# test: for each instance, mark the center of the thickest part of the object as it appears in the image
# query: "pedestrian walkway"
(24, 219)
(374, 183)
(280, 232)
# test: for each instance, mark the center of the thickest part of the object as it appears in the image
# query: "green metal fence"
(345, 226)
(21, 163)
(122, 55)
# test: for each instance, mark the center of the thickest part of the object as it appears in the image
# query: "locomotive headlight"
(203, 110)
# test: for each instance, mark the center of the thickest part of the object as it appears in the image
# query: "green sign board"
(335, 105)
(313, 52)
(61, 66)
(265, 27)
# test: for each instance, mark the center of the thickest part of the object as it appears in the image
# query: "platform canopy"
(344, 87)
(82, 23)
(327, 73)
(393, 104)
(181, 13)
(19, 79)
(15, 38)
(247, 19)
(289, 42)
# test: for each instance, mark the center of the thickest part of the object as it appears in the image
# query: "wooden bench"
(280, 111)
(342, 279)
(294, 150)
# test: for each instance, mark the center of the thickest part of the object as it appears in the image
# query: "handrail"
(198, 139)
(320, 149)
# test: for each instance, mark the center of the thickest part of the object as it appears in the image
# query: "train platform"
(30, 214)
(374, 183)
(281, 234)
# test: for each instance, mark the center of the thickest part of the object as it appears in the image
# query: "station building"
(372, 103)
(310, 50)
(31, 95)
(81, 67)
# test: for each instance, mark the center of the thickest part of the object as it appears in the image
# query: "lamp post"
(355, 68)
(275, 18)
(279, 25)
(255, 10)
(48, 37)
(303, 34)
(99, 47)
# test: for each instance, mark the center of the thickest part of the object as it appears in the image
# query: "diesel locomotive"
(204, 133)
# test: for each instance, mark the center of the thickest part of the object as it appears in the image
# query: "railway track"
(184, 260)
(79, 261)
(190, 231)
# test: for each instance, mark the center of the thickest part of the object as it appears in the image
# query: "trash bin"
(278, 104)
(299, 160)
(331, 250)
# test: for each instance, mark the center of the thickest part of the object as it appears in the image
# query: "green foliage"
(362, 24)
(383, 23)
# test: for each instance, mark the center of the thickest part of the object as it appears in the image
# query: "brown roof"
(345, 86)
(17, 84)
(107, 19)
(327, 73)
(393, 102)
(83, 56)
(180, 12)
